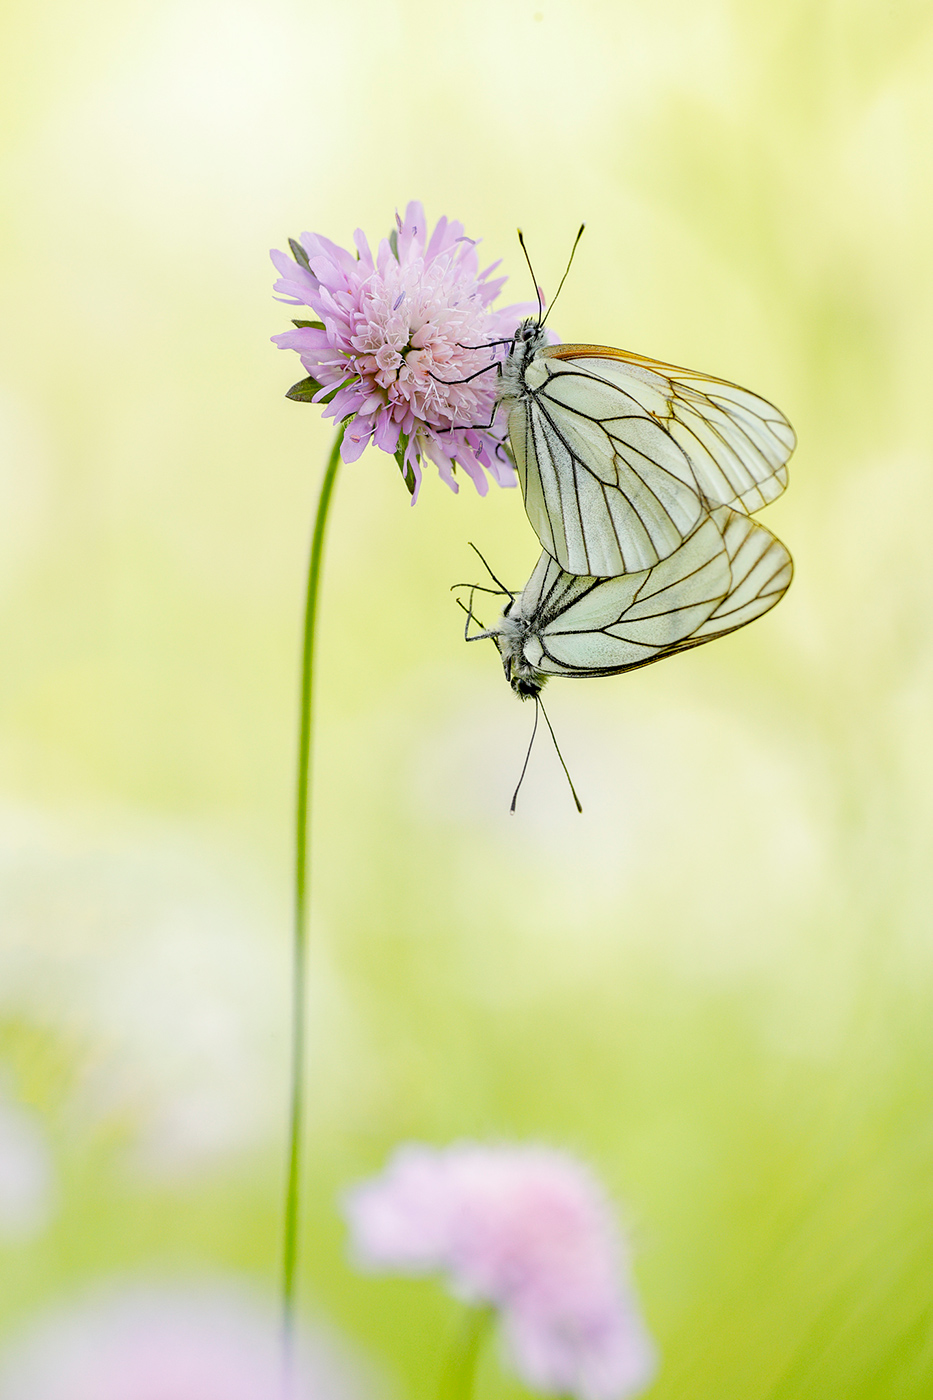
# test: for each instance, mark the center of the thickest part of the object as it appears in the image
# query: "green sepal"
(304, 390)
(393, 243)
(299, 254)
(408, 476)
(309, 325)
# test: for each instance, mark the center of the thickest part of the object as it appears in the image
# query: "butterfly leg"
(468, 427)
(494, 364)
(479, 427)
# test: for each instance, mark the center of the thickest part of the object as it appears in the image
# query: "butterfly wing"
(581, 626)
(607, 490)
(619, 455)
(762, 570)
(729, 571)
(738, 443)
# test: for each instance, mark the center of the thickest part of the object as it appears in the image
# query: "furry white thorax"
(528, 340)
(511, 633)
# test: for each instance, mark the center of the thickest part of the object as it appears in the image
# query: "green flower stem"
(302, 895)
(459, 1373)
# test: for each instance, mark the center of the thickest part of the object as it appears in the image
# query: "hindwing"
(729, 571)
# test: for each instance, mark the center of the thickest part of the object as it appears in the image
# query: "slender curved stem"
(302, 892)
(459, 1373)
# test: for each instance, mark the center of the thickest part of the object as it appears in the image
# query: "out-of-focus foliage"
(715, 984)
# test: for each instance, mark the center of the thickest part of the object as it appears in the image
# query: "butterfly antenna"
(564, 279)
(521, 239)
(527, 756)
(554, 737)
(490, 572)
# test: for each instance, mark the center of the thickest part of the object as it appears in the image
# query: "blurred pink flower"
(528, 1230)
(149, 1343)
(390, 350)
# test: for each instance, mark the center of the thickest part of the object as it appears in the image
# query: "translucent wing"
(581, 626)
(607, 489)
(619, 455)
(727, 573)
(762, 570)
(738, 443)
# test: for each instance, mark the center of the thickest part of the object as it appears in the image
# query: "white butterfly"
(727, 572)
(620, 456)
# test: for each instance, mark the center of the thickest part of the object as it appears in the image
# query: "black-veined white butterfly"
(619, 456)
(728, 571)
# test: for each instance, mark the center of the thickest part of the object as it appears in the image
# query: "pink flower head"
(140, 1342)
(392, 352)
(527, 1230)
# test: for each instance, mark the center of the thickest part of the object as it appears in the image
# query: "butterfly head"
(526, 683)
(529, 339)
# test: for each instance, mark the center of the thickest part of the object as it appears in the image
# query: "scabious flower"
(143, 1342)
(527, 1230)
(398, 339)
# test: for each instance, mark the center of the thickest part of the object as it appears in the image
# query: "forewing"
(590, 626)
(737, 443)
(607, 489)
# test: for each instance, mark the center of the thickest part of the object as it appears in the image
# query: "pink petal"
(472, 467)
(362, 246)
(317, 244)
(411, 234)
(439, 239)
(386, 434)
(354, 444)
(415, 466)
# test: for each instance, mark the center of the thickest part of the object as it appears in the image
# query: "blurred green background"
(715, 985)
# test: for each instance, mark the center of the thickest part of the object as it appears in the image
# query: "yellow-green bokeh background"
(716, 985)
